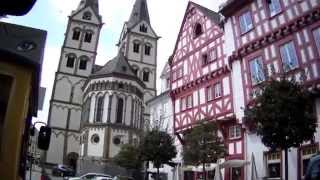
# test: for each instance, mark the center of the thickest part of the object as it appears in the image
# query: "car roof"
(315, 158)
(97, 174)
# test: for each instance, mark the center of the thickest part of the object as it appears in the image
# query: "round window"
(95, 139)
(116, 140)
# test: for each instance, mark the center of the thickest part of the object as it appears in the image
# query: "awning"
(234, 163)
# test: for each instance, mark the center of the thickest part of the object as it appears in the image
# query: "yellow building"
(21, 55)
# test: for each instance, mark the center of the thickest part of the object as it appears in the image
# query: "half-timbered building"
(221, 58)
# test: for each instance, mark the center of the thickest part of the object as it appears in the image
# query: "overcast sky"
(52, 16)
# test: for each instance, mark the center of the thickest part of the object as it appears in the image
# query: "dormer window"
(76, 34)
(87, 16)
(88, 37)
(143, 28)
(197, 30)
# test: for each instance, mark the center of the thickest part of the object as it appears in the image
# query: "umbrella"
(235, 163)
(217, 174)
(254, 173)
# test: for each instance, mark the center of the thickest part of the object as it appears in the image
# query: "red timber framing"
(294, 23)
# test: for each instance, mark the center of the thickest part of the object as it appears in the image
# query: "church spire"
(139, 13)
(94, 4)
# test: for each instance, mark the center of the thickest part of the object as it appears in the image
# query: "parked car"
(313, 169)
(91, 176)
(63, 171)
(122, 178)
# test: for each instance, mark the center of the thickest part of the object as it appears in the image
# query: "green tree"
(157, 147)
(203, 145)
(129, 157)
(283, 115)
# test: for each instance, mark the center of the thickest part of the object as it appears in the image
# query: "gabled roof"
(214, 16)
(139, 13)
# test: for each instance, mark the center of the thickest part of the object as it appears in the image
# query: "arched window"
(83, 63)
(119, 111)
(86, 110)
(135, 70)
(87, 16)
(146, 75)
(70, 60)
(76, 34)
(143, 28)
(147, 49)
(99, 109)
(88, 36)
(136, 46)
(197, 30)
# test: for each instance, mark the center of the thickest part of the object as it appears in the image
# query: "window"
(135, 71)
(76, 34)
(136, 47)
(88, 37)
(146, 76)
(197, 30)
(95, 139)
(147, 49)
(209, 93)
(234, 132)
(217, 90)
(273, 164)
(186, 103)
(6, 85)
(83, 63)
(70, 61)
(289, 56)
(257, 71)
(236, 173)
(213, 55)
(87, 16)
(245, 22)
(143, 28)
(205, 59)
(306, 153)
(119, 111)
(274, 7)
(316, 34)
(86, 110)
(99, 109)
(177, 74)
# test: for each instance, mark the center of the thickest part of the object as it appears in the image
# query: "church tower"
(76, 63)
(138, 42)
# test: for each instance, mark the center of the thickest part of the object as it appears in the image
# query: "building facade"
(162, 118)
(218, 60)
(95, 109)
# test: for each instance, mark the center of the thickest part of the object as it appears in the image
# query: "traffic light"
(44, 138)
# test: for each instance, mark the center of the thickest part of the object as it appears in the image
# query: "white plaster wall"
(96, 149)
(114, 149)
(92, 105)
(128, 111)
(75, 118)
(58, 116)
(238, 95)
(55, 151)
(105, 108)
(73, 143)
(228, 46)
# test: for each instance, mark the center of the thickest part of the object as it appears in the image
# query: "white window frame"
(213, 55)
(273, 158)
(217, 90)
(274, 7)
(314, 149)
(289, 56)
(234, 132)
(210, 93)
(316, 36)
(245, 21)
(257, 71)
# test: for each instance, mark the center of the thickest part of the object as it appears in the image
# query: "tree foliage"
(158, 147)
(283, 114)
(128, 157)
(203, 145)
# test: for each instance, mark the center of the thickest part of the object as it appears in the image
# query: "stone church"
(95, 109)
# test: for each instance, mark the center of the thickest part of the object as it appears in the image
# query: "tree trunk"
(286, 163)
(158, 174)
(204, 171)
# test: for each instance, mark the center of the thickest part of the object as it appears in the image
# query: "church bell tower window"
(136, 47)
(76, 34)
(70, 61)
(83, 63)
(88, 37)
(87, 16)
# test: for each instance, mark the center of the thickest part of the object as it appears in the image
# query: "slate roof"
(139, 13)
(93, 3)
(214, 16)
(117, 66)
